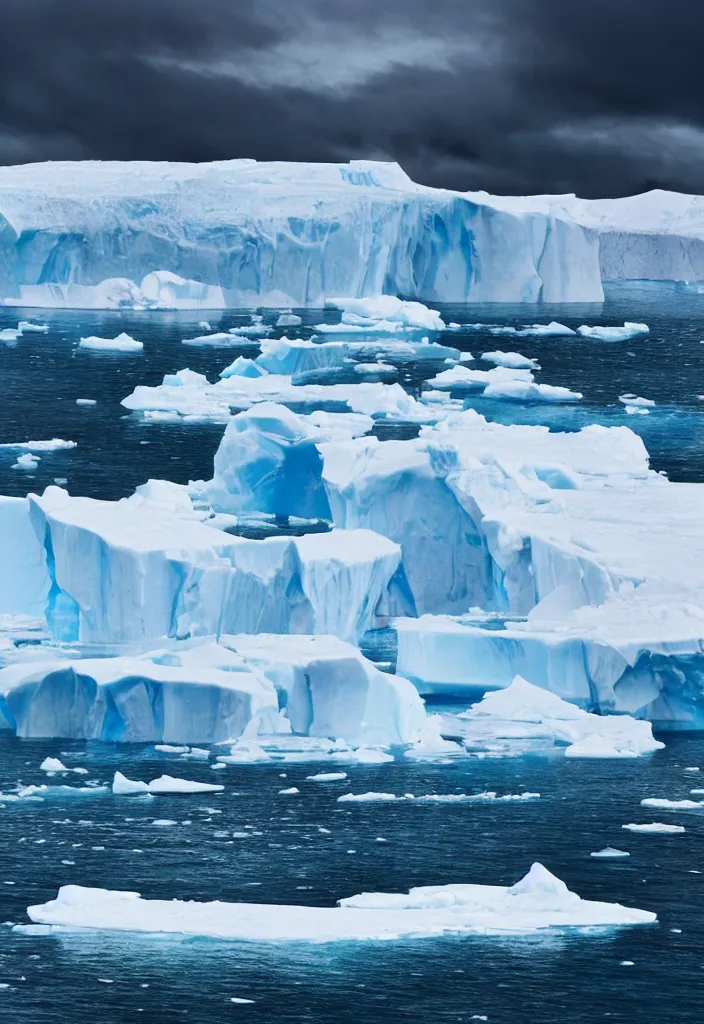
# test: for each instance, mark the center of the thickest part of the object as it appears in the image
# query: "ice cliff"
(240, 233)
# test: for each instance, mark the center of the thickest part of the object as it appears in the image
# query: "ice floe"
(512, 360)
(610, 853)
(551, 330)
(539, 900)
(122, 343)
(654, 828)
(163, 786)
(625, 333)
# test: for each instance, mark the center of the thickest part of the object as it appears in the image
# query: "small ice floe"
(672, 805)
(529, 391)
(289, 792)
(52, 765)
(288, 318)
(27, 462)
(54, 445)
(599, 747)
(164, 821)
(165, 784)
(52, 792)
(654, 827)
(122, 343)
(370, 797)
(551, 330)
(538, 901)
(240, 1001)
(86, 401)
(610, 853)
(9, 334)
(204, 325)
(512, 360)
(327, 777)
(635, 400)
(625, 333)
(466, 357)
(27, 327)
(168, 748)
(488, 796)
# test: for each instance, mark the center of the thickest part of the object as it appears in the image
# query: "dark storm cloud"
(602, 97)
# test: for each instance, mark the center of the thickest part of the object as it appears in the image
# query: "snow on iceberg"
(538, 901)
(625, 333)
(239, 233)
(136, 569)
(511, 360)
(523, 712)
(384, 313)
(122, 343)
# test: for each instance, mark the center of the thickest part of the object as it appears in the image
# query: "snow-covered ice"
(538, 901)
(610, 853)
(628, 332)
(122, 343)
(551, 330)
(512, 360)
(164, 785)
(655, 828)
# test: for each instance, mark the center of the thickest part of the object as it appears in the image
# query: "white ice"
(163, 786)
(655, 827)
(610, 853)
(512, 360)
(122, 343)
(538, 901)
(625, 333)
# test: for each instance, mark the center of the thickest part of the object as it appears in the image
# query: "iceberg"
(610, 853)
(529, 391)
(27, 462)
(462, 377)
(165, 785)
(332, 690)
(511, 360)
(551, 330)
(238, 233)
(538, 901)
(139, 569)
(505, 720)
(383, 313)
(122, 343)
(24, 578)
(626, 333)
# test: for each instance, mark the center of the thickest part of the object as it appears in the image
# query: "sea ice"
(122, 343)
(164, 785)
(512, 360)
(610, 853)
(537, 901)
(27, 327)
(27, 462)
(654, 827)
(551, 330)
(288, 319)
(463, 378)
(528, 391)
(327, 777)
(625, 333)
(672, 805)
(643, 403)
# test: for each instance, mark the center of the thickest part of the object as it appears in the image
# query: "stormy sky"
(598, 97)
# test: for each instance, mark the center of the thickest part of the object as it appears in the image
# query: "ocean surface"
(107, 841)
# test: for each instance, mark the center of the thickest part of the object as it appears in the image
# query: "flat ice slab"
(538, 901)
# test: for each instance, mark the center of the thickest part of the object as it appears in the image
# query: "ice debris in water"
(382, 314)
(27, 327)
(122, 343)
(539, 900)
(288, 319)
(513, 360)
(625, 333)
(654, 827)
(610, 853)
(54, 445)
(53, 764)
(327, 777)
(551, 330)
(27, 462)
(672, 805)
(165, 784)
(487, 796)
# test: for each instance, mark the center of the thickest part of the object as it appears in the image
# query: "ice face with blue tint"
(240, 233)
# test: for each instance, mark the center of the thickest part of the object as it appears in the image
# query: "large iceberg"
(207, 692)
(139, 569)
(240, 233)
(539, 900)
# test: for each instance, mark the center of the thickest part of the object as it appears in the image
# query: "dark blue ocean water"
(110, 842)
(548, 979)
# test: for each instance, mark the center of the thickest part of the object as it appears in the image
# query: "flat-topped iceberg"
(625, 333)
(238, 233)
(139, 569)
(245, 689)
(538, 901)
(122, 343)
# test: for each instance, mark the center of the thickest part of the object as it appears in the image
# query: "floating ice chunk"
(291, 791)
(551, 330)
(467, 357)
(86, 401)
(635, 410)
(122, 343)
(253, 330)
(54, 445)
(204, 325)
(625, 333)
(164, 821)
(643, 403)
(327, 777)
(9, 334)
(52, 764)
(122, 786)
(431, 743)
(672, 805)
(221, 339)
(167, 784)
(610, 853)
(27, 327)
(538, 901)
(243, 367)
(27, 462)
(370, 797)
(387, 309)
(654, 827)
(461, 377)
(288, 319)
(528, 391)
(512, 360)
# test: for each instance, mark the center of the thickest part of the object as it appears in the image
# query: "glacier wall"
(240, 233)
